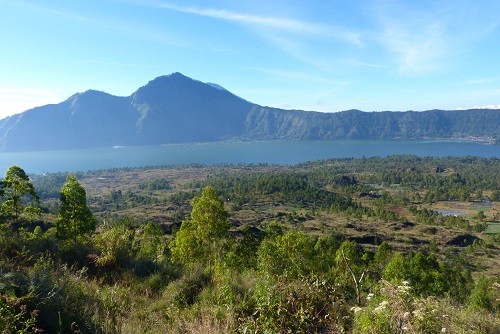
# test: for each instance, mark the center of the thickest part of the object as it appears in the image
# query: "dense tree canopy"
(17, 188)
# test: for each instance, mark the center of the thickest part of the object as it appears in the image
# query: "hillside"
(178, 109)
(369, 245)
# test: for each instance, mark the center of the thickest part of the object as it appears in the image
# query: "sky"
(320, 55)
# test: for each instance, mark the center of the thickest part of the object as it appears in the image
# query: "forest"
(397, 244)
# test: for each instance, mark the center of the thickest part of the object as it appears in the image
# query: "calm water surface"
(272, 152)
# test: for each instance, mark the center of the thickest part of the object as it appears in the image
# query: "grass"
(492, 228)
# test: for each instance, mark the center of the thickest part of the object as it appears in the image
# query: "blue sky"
(328, 55)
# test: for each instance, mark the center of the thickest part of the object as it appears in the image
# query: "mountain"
(178, 109)
(169, 109)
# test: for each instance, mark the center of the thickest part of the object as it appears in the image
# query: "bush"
(113, 303)
(15, 318)
(305, 305)
(61, 297)
(118, 247)
(396, 309)
(483, 295)
(184, 291)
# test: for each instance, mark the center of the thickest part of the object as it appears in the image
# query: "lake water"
(272, 152)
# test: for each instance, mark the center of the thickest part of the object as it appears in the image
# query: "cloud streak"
(300, 76)
(489, 106)
(416, 39)
(429, 36)
(315, 30)
(478, 81)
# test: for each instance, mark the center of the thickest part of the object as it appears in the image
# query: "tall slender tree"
(75, 218)
(202, 238)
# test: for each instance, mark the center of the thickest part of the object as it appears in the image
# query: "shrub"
(397, 309)
(15, 318)
(113, 302)
(482, 296)
(60, 294)
(118, 247)
(184, 291)
(305, 305)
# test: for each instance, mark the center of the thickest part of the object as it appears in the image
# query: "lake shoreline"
(280, 152)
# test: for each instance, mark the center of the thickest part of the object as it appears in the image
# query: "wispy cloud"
(419, 52)
(415, 38)
(302, 76)
(294, 37)
(357, 63)
(425, 37)
(315, 30)
(478, 81)
(481, 95)
(111, 63)
(489, 106)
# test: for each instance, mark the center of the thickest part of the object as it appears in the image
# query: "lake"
(272, 152)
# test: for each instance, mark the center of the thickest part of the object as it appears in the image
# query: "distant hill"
(178, 109)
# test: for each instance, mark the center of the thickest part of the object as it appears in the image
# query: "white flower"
(403, 288)
(381, 306)
(418, 314)
(370, 296)
(356, 309)
(443, 330)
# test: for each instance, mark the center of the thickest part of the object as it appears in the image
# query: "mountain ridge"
(177, 109)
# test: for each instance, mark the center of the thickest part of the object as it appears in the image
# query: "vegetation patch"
(492, 228)
(278, 249)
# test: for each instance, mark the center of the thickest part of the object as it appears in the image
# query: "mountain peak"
(176, 76)
(176, 86)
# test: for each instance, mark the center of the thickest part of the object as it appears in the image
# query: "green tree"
(75, 218)
(203, 238)
(383, 255)
(17, 188)
(152, 245)
(478, 195)
(381, 259)
(482, 294)
(244, 251)
(291, 253)
(495, 196)
(397, 270)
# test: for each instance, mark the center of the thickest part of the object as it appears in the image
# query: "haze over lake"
(271, 152)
